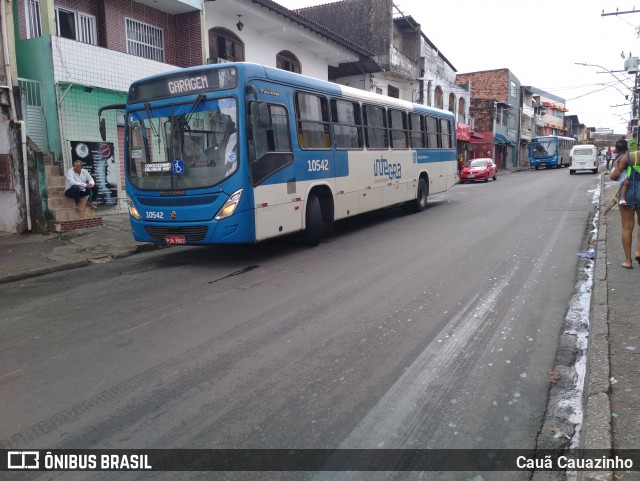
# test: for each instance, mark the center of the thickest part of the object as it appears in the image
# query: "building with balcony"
(265, 32)
(495, 107)
(409, 66)
(550, 113)
(527, 124)
(74, 56)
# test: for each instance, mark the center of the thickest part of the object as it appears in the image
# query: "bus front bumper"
(237, 229)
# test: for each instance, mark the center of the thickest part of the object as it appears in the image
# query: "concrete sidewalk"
(28, 255)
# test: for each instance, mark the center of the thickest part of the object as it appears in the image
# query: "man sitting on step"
(79, 184)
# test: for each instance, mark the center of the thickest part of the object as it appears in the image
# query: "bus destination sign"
(183, 83)
(189, 84)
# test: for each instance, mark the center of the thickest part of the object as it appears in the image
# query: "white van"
(583, 157)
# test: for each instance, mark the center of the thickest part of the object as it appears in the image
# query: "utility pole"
(620, 13)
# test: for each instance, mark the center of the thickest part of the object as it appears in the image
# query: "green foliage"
(633, 145)
(63, 237)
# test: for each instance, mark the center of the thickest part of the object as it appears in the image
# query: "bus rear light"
(229, 206)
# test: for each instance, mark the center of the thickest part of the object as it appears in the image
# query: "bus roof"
(249, 70)
(543, 137)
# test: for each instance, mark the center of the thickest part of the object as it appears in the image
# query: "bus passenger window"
(398, 129)
(416, 126)
(347, 124)
(375, 121)
(445, 133)
(433, 140)
(313, 121)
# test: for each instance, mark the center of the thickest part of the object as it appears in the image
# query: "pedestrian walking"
(608, 157)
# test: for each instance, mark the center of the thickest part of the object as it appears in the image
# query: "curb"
(597, 415)
(43, 271)
(140, 248)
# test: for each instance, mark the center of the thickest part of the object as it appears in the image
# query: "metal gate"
(33, 105)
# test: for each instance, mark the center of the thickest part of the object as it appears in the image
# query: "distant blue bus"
(550, 151)
(240, 153)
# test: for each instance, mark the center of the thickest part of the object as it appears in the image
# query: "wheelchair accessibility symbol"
(178, 166)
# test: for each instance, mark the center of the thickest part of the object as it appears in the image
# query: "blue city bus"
(240, 153)
(550, 151)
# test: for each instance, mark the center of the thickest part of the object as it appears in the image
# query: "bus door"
(434, 157)
(277, 198)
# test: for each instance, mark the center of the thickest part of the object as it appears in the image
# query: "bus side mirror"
(103, 130)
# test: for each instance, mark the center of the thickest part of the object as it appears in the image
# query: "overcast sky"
(540, 43)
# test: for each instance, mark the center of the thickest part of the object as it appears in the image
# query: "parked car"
(479, 169)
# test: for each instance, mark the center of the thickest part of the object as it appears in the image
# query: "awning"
(500, 139)
(481, 137)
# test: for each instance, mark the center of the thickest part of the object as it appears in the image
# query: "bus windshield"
(182, 146)
(544, 148)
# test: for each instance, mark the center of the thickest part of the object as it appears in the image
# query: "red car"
(478, 169)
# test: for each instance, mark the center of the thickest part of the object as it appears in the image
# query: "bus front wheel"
(313, 218)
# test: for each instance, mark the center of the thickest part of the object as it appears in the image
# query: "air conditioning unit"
(631, 65)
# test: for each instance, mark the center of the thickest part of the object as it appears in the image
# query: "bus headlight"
(133, 212)
(229, 206)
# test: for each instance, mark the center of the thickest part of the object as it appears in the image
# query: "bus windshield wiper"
(197, 102)
(147, 109)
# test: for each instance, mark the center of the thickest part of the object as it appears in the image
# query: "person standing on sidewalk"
(79, 184)
(631, 210)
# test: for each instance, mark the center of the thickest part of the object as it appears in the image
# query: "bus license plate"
(175, 239)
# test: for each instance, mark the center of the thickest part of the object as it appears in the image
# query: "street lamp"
(584, 64)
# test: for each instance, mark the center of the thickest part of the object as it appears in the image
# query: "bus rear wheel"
(313, 221)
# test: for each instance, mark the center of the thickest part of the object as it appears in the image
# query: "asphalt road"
(433, 330)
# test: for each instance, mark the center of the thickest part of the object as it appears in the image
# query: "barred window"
(76, 26)
(144, 40)
(34, 26)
